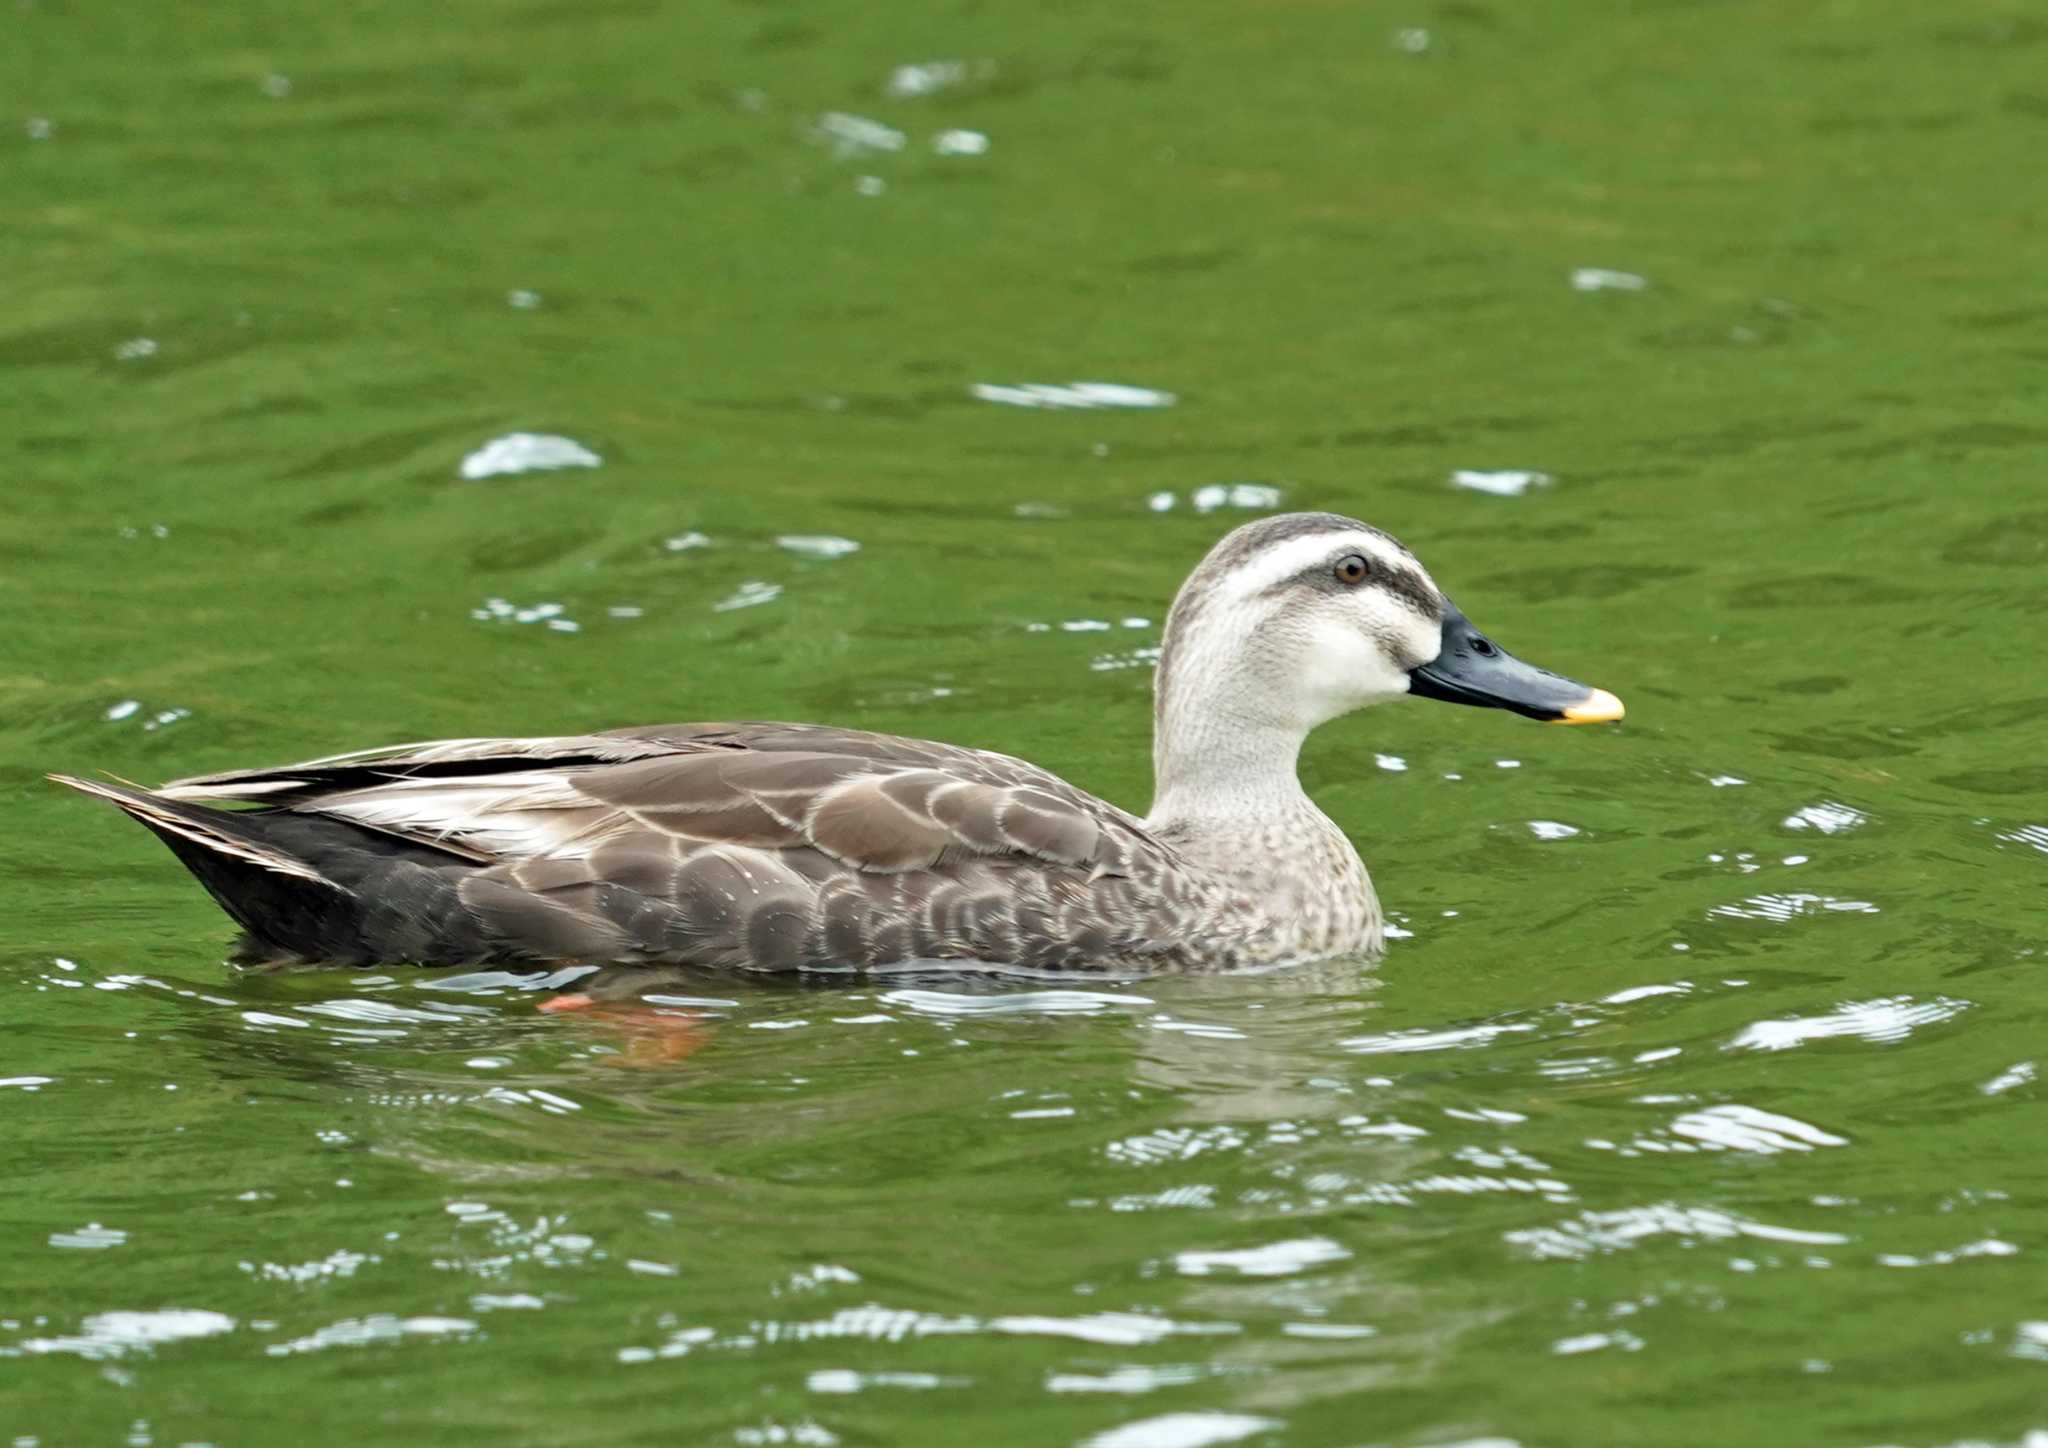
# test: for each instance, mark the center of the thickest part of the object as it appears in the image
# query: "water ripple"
(1828, 817)
(1457, 1038)
(112, 1334)
(1744, 1128)
(845, 1380)
(875, 1323)
(92, 1237)
(1183, 1430)
(378, 1328)
(526, 452)
(1988, 1247)
(1072, 395)
(1274, 1259)
(1132, 1378)
(1591, 1234)
(1888, 1019)
(2018, 1074)
(336, 1264)
(1782, 907)
(2034, 836)
(1020, 1003)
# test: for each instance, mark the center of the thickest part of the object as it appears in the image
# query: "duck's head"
(1293, 620)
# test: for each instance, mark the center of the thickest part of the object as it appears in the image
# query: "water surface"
(1700, 1101)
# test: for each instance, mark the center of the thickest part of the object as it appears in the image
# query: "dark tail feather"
(247, 861)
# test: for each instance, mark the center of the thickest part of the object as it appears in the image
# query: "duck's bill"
(1472, 669)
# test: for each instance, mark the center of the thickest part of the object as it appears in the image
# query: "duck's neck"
(1226, 796)
(1222, 762)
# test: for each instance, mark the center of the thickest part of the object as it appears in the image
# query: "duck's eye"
(1353, 569)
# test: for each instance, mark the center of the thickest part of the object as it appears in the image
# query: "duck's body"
(775, 846)
(792, 846)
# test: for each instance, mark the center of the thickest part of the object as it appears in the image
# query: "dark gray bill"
(1472, 669)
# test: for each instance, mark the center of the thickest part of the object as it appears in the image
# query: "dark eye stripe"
(1396, 578)
(1411, 588)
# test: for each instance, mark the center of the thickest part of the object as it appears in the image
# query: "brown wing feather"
(761, 784)
(770, 845)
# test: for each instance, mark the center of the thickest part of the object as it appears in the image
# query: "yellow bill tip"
(1598, 707)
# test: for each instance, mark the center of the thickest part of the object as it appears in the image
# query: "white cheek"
(1424, 640)
(1345, 669)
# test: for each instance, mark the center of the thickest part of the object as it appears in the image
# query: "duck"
(795, 847)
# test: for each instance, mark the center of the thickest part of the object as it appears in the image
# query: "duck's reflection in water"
(1233, 1041)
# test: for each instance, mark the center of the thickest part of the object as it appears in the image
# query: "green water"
(1716, 1121)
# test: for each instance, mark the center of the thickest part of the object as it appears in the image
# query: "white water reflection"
(1988, 1247)
(924, 78)
(1829, 817)
(1072, 395)
(1257, 496)
(845, 1380)
(817, 545)
(371, 1012)
(2033, 836)
(1501, 482)
(1020, 1003)
(1212, 496)
(750, 594)
(1890, 1018)
(1789, 905)
(504, 610)
(91, 1237)
(1274, 1259)
(849, 135)
(337, 1264)
(875, 1323)
(111, 1334)
(688, 1002)
(1592, 1233)
(1595, 1341)
(497, 982)
(2018, 1074)
(378, 1328)
(1131, 1378)
(526, 452)
(1183, 1430)
(2030, 1340)
(1197, 1196)
(1175, 1143)
(1645, 992)
(1328, 1331)
(1745, 1128)
(1139, 658)
(509, 1242)
(1459, 1038)
(1606, 279)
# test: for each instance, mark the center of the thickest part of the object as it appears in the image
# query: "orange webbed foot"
(651, 1036)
